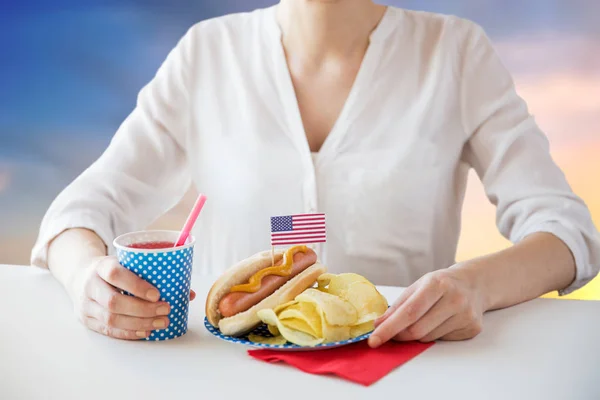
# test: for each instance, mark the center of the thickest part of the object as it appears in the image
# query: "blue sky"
(70, 72)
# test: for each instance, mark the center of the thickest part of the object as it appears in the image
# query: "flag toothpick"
(272, 256)
(298, 229)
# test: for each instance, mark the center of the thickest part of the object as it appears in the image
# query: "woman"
(370, 114)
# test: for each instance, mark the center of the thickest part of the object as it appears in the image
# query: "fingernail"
(152, 295)
(140, 333)
(162, 310)
(159, 323)
(375, 341)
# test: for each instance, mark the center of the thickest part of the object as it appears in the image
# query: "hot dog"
(236, 302)
(255, 283)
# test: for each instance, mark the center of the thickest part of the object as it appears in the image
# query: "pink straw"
(187, 228)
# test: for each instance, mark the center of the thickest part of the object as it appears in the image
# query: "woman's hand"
(100, 305)
(445, 304)
(448, 304)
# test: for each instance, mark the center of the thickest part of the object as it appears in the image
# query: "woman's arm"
(70, 251)
(141, 175)
(539, 264)
(143, 172)
(449, 304)
(511, 156)
(556, 244)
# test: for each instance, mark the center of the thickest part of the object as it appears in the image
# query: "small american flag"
(298, 229)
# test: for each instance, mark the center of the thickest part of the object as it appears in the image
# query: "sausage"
(237, 302)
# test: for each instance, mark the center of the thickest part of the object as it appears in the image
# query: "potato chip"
(335, 333)
(357, 290)
(342, 307)
(336, 310)
(361, 329)
(367, 318)
(308, 317)
(284, 305)
(340, 282)
(367, 300)
(269, 317)
(273, 330)
(276, 340)
(299, 325)
(304, 311)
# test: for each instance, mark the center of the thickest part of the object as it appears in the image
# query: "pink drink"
(152, 245)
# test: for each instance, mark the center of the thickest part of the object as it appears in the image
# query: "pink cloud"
(550, 52)
(565, 105)
(558, 75)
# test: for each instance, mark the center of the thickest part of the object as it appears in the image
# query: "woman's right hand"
(100, 305)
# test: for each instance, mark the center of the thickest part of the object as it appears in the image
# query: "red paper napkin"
(356, 362)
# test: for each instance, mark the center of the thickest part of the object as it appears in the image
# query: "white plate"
(263, 331)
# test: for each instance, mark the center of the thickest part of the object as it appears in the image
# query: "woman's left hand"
(445, 304)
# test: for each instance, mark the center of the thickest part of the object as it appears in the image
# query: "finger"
(407, 314)
(112, 320)
(192, 295)
(120, 277)
(450, 325)
(123, 334)
(464, 334)
(405, 295)
(115, 302)
(435, 317)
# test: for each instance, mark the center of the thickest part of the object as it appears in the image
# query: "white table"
(544, 349)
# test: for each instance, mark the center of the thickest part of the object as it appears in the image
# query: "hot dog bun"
(239, 273)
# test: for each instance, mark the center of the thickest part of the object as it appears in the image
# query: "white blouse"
(431, 100)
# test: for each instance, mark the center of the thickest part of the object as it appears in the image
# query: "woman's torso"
(389, 176)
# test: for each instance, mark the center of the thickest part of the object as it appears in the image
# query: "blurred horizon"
(71, 71)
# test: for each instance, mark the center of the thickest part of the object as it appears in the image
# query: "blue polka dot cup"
(167, 268)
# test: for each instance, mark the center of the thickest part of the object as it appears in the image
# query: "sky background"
(70, 72)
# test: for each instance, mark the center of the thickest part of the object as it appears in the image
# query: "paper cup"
(167, 269)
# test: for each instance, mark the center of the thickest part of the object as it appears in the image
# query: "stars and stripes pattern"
(298, 229)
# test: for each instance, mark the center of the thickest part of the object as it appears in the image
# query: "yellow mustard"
(284, 269)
